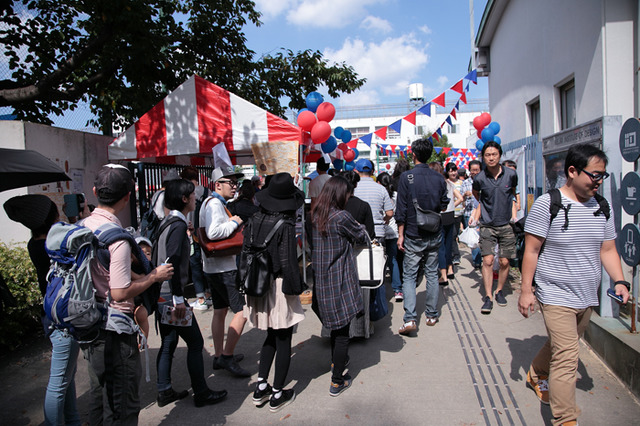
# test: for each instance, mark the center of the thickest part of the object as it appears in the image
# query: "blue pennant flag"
(457, 105)
(448, 120)
(472, 76)
(439, 131)
(367, 139)
(438, 149)
(455, 151)
(426, 109)
(396, 126)
(466, 89)
(431, 140)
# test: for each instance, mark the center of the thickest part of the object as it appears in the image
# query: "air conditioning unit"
(483, 63)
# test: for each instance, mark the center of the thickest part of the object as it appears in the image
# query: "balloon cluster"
(315, 119)
(487, 130)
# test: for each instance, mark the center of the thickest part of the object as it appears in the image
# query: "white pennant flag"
(221, 156)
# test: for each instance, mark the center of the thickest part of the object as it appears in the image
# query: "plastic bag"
(469, 237)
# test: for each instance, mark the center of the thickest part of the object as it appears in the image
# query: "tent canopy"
(197, 116)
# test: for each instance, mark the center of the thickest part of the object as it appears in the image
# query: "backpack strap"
(604, 207)
(555, 205)
(165, 224)
(110, 233)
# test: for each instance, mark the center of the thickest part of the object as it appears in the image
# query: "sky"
(391, 43)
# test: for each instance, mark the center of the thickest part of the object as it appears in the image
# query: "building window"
(534, 117)
(454, 128)
(568, 105)
(358, 132)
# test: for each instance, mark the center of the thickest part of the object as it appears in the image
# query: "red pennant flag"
(411, 118)
(458, 87)
(393, 147)
(446, 150)
(353, 143)
(435, 135)
(453, 113)
(439, 100)
(464, 151)
(382, 133)
(463, 98)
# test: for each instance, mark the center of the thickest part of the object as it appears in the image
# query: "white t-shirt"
(215, 219)
(569, 269)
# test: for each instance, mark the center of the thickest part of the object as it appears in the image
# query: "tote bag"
(371, 260)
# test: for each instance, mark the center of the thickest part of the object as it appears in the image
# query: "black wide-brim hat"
(281, 194)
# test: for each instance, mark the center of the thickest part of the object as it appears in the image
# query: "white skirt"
(274, 310)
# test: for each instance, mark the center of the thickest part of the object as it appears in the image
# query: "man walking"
(577, 244)
(494, 188)
(376, 195)
(427, 188)
(220, 272)
(114, 360)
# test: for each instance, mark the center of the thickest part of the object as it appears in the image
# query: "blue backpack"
(70, 301)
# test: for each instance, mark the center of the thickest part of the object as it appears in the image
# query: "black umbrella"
(23, 167)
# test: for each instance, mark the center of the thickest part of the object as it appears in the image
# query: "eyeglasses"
(595, 176)
(230, 182)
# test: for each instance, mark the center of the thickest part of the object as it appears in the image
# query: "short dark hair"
(422, 149)
(190, 173)
(450, 166)
(322, 165)
(579, 156)
(351, 176)
(174, 191)
(491, 144)
(246, 190)
(510, 163)
(475, 163)
(462, 172)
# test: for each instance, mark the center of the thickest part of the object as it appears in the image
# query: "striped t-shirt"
(569, 268)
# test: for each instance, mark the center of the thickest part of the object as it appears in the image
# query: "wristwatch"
(624, 283)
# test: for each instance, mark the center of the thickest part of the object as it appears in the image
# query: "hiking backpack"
(70, 301)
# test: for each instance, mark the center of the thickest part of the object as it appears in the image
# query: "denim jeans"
(197, 275)
(445, 257)
(392, 262)
(60, 400)
(414, 251)
(476, 256)
(195, 364)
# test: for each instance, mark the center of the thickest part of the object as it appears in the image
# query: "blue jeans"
(414, 251)
(392, 262)
(476, 256)
(445, 257)
(195, 364)
(197, 275)
(60, 400)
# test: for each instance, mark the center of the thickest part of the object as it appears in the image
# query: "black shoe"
(287, 396)
(170, 395)
(500, 299)
(236, 358)
(487, 306)
(261, 396)
(208, 398)
(232, 366)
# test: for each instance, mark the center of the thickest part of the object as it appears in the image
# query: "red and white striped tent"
(195, 117)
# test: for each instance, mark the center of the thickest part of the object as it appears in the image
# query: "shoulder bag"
(229, 246)
(426, 220)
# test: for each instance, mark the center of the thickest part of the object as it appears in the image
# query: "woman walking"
(445, 256)
(280, 309)
(394, 256)
(337, 288)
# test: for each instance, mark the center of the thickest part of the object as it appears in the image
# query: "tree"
(124, 56)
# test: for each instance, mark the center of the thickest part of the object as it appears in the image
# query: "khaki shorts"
(501, 235)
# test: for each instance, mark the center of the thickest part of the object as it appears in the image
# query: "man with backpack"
(578, 240)
(113, 358)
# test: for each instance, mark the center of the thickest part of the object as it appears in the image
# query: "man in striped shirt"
(577, 244)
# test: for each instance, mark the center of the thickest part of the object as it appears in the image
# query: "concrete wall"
(79, 154)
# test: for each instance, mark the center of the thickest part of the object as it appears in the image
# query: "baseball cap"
(224, 171)
(113, 182)
(364, 165)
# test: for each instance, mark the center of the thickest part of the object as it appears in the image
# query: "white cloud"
(273, 8)
(425, 29)
(377, 24)
(360, 97)
(328, 13)
(442, 80)
(388, 66)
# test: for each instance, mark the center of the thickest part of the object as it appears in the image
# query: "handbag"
(229, 246)
(370, 261)
(426, 220)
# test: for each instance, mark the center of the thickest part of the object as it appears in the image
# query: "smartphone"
(74, 204)
(612, 294)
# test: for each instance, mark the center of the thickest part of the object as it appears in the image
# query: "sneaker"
(500, 299)
(407, 328)
(232, 366)
(399, 296)
(170, 395)
(236, 358)
(541, 387)
(456, 261)
(199, 305)
(287, 396)
(336, 389)
(209, 397)
(261, 396)
(487, 306)
(209, 301)
(431, 321)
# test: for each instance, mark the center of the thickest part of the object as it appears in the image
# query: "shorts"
(224, 293)
(501, 235)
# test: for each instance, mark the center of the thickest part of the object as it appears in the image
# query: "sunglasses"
(595, 176)
(230, 182)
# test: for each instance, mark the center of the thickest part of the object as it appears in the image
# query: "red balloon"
(306, 120)
(477, 123)
(320, 132)
(388, 166)
(486, 119)
(343, 147)
(480, 133)
(349, 155)
(326, 111)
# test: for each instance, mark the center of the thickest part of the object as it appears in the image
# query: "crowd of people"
(348, 209)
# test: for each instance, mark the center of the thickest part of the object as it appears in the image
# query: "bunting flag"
(455, 151)
(472, 76)
(381, 133)
(439, 100)
(352, 144)
(464, 151)
(435, 135)
(446, 150)
(426, 109)
(448, 120)
(397, 126)
(438, 149)
(439, 132)
(467, 88)
(453, 114)
(458, 87)
(463, 98)
(411, 118)
(367, 139)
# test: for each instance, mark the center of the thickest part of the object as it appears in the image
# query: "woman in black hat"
(280, 309)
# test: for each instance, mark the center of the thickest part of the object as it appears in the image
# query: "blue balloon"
(356, 152)
(497, 140)
(495, 127)
(337, 132)
(314, 99)
(346, 136)
(338, 164)
(329, 145)
(302, 110)
(350, 165)
(479, 145)
(487, 135)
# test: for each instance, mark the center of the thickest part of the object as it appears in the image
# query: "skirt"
(274, 310)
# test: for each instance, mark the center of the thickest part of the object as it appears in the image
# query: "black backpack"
(150, 222)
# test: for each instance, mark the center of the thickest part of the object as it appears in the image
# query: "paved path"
(469, 369)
